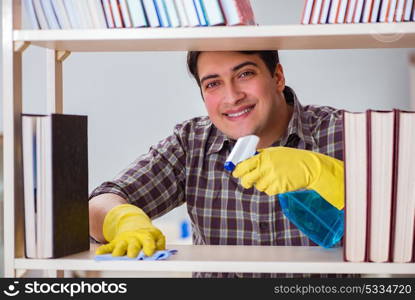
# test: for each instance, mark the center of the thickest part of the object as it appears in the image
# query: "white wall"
(134, 99)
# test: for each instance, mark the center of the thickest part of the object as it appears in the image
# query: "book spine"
(384, 11)
(116, 12)
(191, 13)
(199, 12)
(316, 12)
(357, 16)
(391, 12)
(375, 11)
(213, 12)
(325, 12)
(171, 9)
(138, 17)
(31, 14)
(108, 13)
(151, 13)
(125, 14)
(184, 21)
(350, 11)
(306, 15)
(161, 13)
(342, 11)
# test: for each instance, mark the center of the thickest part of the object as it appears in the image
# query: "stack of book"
(89, 14)
(55, 178)
(357, 11)
(379, 159)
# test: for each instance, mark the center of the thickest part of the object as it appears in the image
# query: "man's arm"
(99, 206)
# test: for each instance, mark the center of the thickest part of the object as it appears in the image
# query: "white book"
(116, 14)
(355, 167)
(391, 13)
(375, 11)
(357, 16)
(29, 183)
(108, 13)
(61, 14)
(325, 11)
(408, 10)
(381, 130)
(315, 15)
(184, 21)
(151, 13)
(384, 11)
(399, 11)
(50, 14)
(213, 12)
(73, 14)
(138, 17)
(97, 14)
(31, 14)
(41, 17)
(125, 14)
(342, 11)
(172, 13)
(334, 9)
(81, 13)
(308, 8)
(350, 11)
(200, 13)
(162, 13)
(191, 13)
(404, 197)
(367, 11)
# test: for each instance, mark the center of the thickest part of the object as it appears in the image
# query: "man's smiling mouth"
(240, 113)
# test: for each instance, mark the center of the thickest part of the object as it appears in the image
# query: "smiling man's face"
(241, 95)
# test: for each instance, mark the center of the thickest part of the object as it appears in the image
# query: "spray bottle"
(320, 221)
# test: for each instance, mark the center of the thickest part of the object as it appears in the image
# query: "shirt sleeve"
(155, 182)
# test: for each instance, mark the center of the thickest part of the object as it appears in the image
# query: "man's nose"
(234, 94)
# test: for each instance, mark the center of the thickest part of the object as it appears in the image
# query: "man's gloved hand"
(278, 170)
(128, 229)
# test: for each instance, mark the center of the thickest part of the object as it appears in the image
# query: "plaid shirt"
(188, 167)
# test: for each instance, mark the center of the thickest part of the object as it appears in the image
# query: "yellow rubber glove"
(278, 170)
(128, 229)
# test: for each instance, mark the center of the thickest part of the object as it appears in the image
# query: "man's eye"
(246, 74)
(211, 84)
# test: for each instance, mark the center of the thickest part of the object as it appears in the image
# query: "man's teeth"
(240, 113)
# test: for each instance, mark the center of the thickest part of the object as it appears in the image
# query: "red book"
(238, 12)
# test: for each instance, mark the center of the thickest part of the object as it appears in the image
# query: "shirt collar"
(297, 126)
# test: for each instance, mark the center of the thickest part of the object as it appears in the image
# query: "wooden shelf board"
(190, 258)
(283, 37)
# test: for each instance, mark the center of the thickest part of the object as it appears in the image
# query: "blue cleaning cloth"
(158, 255)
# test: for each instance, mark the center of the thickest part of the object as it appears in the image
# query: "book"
(84, 15)
(334, 11)
(97, 14)
(238, 12)
(213, 11)
(403, 205)
(407, 10)
(380, 128)
(308, 9)
(172, 13)
(350, 11)
(191, 13)
(357, 16)
(413, 12)
(325, 11)
(384, 10)
(375, 11)
(50, 15)
(61, 14)
(355, 166)
(137, 14)
(162, 13)
(200, 13)
(108, 13)
(342, 11)
(391, 13)
(151, 13)
(399, 11)
(184, 21)
(73, 15)
(315, 14)
(55, 165)
(125, 14)
(30, 13)
(116, 13)
(41, 17)
(367, 11)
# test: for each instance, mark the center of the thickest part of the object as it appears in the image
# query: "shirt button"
(263, 225)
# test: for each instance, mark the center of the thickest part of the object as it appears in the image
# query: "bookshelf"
(59, 43)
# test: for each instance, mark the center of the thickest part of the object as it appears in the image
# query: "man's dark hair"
(270, 59)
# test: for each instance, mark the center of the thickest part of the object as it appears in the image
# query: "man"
(244, 93)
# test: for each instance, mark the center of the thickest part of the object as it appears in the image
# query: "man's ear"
(280, 78)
